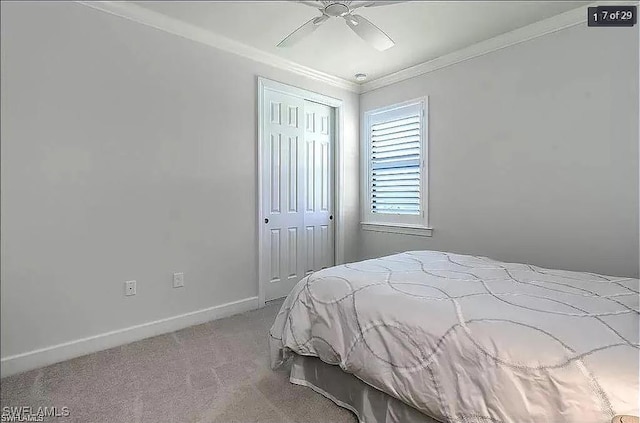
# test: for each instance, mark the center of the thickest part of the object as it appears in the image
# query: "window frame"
(391, 222)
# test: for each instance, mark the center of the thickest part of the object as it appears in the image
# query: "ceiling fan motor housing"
(336, 9)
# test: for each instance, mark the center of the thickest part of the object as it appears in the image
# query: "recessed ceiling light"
(361, 77)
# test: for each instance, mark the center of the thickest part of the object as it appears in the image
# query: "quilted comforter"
(470, 339)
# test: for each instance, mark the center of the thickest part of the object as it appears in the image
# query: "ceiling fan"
(343, 9)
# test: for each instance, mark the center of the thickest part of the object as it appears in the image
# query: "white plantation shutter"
(394, 160)
(395, 166)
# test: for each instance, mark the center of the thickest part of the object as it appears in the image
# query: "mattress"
(470, 339)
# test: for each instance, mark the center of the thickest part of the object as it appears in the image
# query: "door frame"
(338, 170)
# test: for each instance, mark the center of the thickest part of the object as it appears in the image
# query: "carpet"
(214, 372)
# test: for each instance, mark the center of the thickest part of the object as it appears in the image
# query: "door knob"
(266, 220)
(331, 217)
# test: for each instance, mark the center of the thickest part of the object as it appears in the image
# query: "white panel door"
(297, 191)
(283, 191)
(318, 193)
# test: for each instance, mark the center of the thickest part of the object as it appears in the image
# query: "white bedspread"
(470, 339)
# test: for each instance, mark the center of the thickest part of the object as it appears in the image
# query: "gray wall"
(127, 153)
(533, 153)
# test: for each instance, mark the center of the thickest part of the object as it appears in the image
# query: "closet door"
(283, 193)
(318, 193)
(297, 191)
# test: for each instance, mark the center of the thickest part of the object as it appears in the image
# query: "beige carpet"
(215, 372)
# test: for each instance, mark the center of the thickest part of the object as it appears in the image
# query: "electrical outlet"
(178, 280)
(130, 288)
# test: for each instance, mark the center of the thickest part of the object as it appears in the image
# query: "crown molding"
(538, 29)
(180, 28)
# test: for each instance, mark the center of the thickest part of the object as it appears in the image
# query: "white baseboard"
(45, 356)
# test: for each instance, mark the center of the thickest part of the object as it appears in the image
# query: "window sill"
(415, 230)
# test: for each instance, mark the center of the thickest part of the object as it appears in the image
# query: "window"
(395, 180)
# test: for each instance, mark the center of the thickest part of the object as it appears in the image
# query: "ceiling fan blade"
(369, 32)
(303, 31)
(358, 4)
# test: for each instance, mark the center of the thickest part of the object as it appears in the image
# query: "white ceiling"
(422, 30)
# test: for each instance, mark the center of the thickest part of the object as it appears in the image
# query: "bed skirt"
(347, 391)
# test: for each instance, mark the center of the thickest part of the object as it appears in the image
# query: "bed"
(439, 337)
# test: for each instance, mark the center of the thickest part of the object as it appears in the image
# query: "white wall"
(533, 153)
(128, 153)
